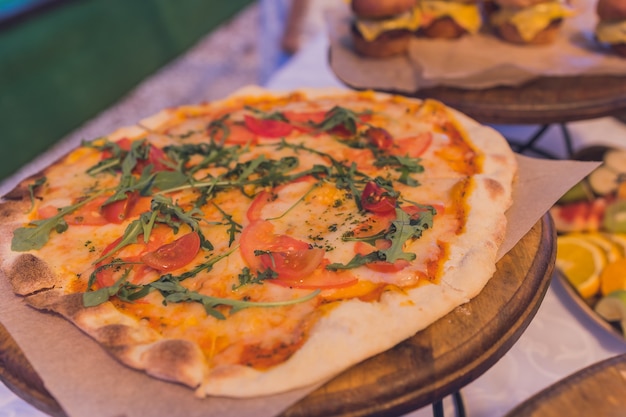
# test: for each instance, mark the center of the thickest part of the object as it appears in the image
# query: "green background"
(64, 65)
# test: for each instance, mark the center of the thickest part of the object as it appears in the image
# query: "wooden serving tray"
(543, 100)
(436, 362)
(598, 390)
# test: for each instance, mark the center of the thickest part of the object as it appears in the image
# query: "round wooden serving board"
(542, 100)
(436, 362)
(598, 390)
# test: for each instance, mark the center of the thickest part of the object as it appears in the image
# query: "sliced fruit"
(581, 262)
(579, 192)
(619, 239)
(613, 277)
(612, 308)
(615, 217)
(607, 178)
(621, 188)
(579, 216)
(603, 180)
(615, 159)
(612, 250)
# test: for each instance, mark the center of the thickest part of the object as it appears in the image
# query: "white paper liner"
(475, 61)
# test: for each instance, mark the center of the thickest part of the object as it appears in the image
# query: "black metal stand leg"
(458, 404)
(529, 145)
(533, 139)
(438, 408)
(459, 407)
(569, 147)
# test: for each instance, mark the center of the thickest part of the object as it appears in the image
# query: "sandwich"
(383, 28)
(611, 26)
(528, 22)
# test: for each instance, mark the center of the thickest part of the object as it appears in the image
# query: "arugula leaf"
(173, 292)
(101, 295)
(357, 261)
(403, 164)
(111, 163)
(267, 116)
(218, 125)
(234, 226)
(402, 229)
(339, 117)
(37, 233)
(164, 180)
(246, 277)
(131, 233)
(31, 191)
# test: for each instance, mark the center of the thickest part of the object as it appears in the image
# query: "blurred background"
(64, 62)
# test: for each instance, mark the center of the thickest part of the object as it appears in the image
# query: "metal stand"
(530, 144)
(459, 407)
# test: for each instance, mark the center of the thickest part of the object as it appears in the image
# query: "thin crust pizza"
(264, 242)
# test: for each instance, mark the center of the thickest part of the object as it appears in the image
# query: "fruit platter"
(590, 220)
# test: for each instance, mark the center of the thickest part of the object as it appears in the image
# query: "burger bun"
(519, 4)
(443, 28)
(611, 9)
(380, 9)
(395, 42)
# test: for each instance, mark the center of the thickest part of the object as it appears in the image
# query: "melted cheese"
(530, 21)
(465, 15)
(371, 29)
(612, 32)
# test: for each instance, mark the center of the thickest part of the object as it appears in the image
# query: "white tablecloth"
(559, 341)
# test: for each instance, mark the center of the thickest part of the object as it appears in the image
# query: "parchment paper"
(476, 61)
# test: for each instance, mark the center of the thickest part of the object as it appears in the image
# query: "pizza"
(264, 242)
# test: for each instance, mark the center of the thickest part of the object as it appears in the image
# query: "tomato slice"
(287, 256)
(157, 157)
(88, 214)
(320, 278)
(120, 210)
(257, 235)
(260, 200)
(377, 200)
(379, 137)
(291, 258)
(413, 146)
(173, 255)
(268, 128)
(265, 197)
(96, 213)
(152, 256)
(237, 135)
(305, 121)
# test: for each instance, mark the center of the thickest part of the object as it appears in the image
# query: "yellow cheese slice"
(611, 31)
(465, 15)
(531, 20)
(371, 29)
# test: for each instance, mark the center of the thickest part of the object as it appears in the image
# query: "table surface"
(559, 341)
